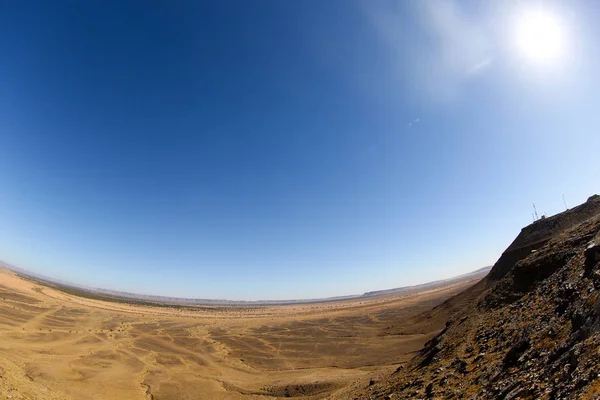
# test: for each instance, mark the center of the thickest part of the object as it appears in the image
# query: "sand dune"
(54, 345)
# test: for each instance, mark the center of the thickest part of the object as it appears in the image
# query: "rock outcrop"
(529, 330)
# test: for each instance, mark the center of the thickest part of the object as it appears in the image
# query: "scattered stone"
(400, 368)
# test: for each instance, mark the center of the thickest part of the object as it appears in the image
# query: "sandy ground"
(58, 346)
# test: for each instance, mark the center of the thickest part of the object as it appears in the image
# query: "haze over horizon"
(281, 150)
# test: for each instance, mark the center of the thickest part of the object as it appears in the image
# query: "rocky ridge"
(529, 330)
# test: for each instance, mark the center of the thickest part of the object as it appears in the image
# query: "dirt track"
(56, 346)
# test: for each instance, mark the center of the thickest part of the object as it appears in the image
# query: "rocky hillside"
(529, 330)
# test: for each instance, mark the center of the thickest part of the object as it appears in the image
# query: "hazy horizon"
(49, 279)
(288, 150)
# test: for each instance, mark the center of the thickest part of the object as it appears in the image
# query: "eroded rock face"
(592, 256)
(534, 333)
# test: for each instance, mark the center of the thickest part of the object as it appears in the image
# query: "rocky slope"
(529, 330)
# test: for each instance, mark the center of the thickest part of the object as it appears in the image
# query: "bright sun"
(540, 36)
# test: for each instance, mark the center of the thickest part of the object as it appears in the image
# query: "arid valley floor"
(55, 345)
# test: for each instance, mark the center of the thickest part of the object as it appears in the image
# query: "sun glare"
(540, 36)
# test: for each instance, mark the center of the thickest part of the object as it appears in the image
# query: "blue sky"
(273, 150)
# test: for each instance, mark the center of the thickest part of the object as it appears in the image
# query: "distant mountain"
(41, 277)
(480, 273)
(200, 302)
(115, 295)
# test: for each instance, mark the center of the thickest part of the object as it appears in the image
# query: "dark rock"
(429, 390)
(514, 353)
(577, 320)
(400, 368)
(566, 291)
(509, 389)
(592, 256)
(460, 365)
(519, 393)
(429, 355)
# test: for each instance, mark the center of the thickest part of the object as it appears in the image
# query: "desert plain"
(56, 345)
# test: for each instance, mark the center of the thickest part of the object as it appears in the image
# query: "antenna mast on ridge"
(535, 212)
